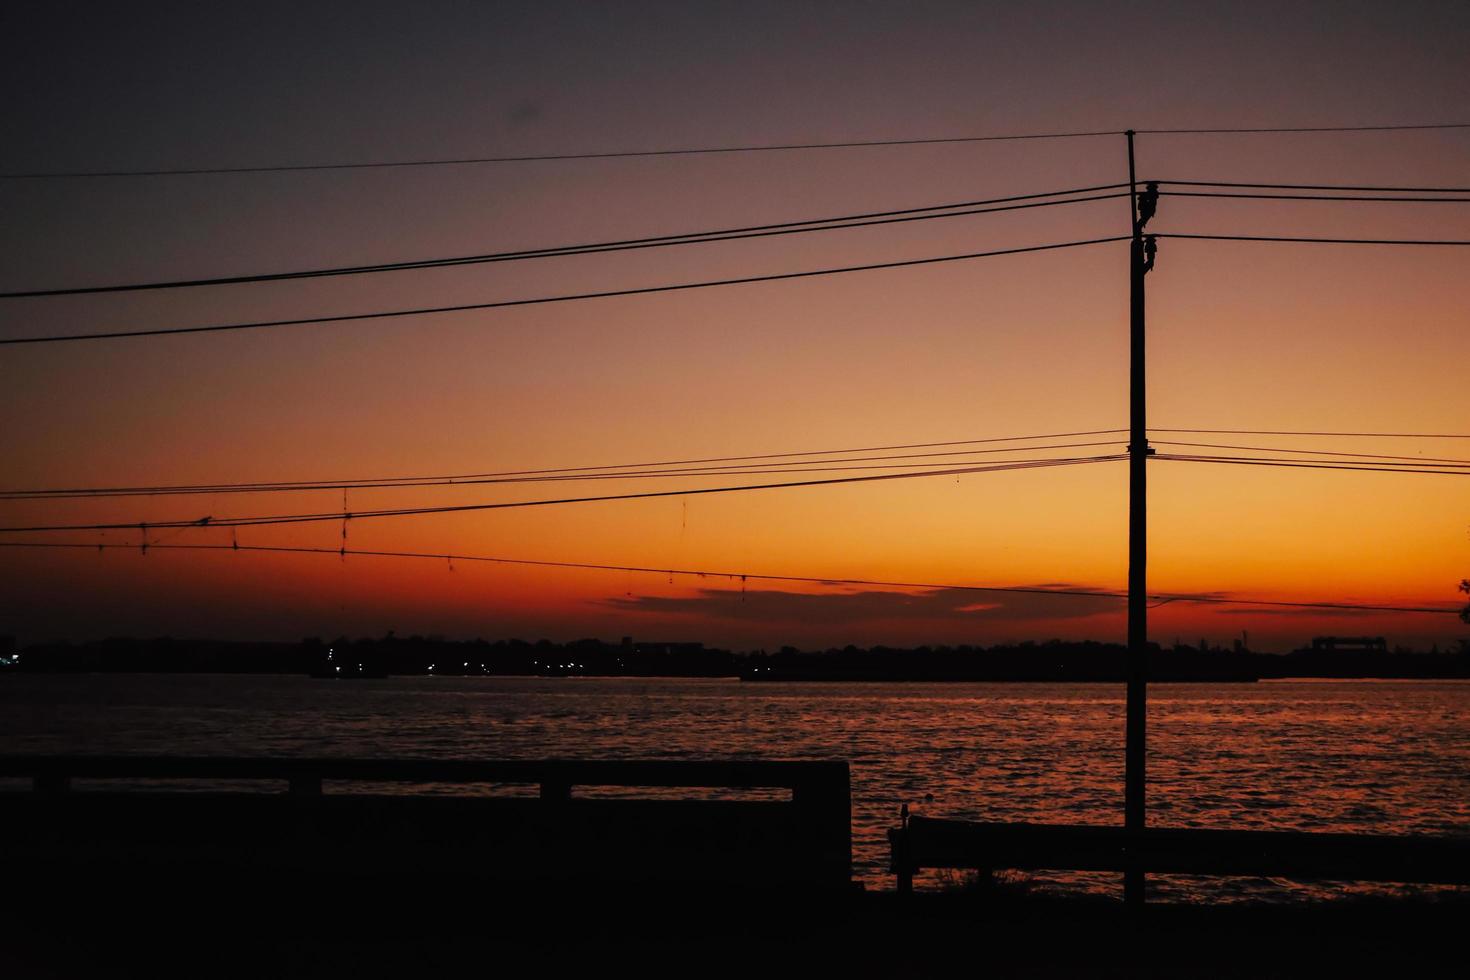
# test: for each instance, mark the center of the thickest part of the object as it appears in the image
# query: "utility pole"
(1140, 260)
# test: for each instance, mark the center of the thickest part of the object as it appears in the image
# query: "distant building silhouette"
(1376, 644)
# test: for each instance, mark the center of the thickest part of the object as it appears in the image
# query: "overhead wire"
(613, 473)
(1371, 198)
(777, 463)
(548, 157)
(775, 466)
(837, 223)
(563, 298)
(1302, 432)
(1302, 129)
(1373, 188)
(590, 473)
(338, 484)
(1311, 241)
(673, 287)
(575, 477)
(702, 150)
(1380, 464)
(1208, 599)
(1314, 452)
(833, 223)
(1366, 467)
(212, 521)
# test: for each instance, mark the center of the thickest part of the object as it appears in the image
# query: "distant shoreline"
(812, 681)
(1029, 663)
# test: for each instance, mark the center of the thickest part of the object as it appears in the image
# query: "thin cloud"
(524, 113)
(1310, 613)
(826, 608)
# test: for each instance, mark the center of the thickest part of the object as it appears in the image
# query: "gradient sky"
(1241, 336)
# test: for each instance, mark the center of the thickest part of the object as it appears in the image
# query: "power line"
(1316, 452)
(1345, 435)
(777, 463)
(1314, 197)
(700, 573)
(1224, 601)
(1308, 465)
(768, 469)
(611, 473)
(597, 473)
(809, 459)
(692, 151)
(687, 238)
(545, 157)
(672, 287)
(349, 484)
(708, 573)
(1314, 241)
(1301, 129)
(568, 297)
(836, 223)
(1319, 187)
(211, 521)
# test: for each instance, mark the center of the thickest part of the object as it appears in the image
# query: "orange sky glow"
(1241, 336)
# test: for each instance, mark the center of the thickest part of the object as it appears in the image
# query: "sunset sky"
(1241, 335)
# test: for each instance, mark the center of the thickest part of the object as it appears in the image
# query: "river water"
(1366, 756)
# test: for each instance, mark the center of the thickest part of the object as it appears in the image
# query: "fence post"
(51, 782)
(824, 800)
(306, 784)
(555, 791)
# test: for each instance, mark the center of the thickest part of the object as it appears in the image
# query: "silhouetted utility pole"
(1140, 261)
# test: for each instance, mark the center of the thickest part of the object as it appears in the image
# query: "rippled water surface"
(1370, 756)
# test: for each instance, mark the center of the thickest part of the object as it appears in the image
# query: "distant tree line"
(418, 655)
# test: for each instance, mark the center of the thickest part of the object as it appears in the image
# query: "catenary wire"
(1302, 129)
(771, 469)
(624, 466)
(802, 466)
(211, 521)
(338, 484)
(613, 473)
(709, 237)
(634, 468)
(709, 573)
(558, 251)
(1315, 452)
(1312, 241)
(705, 237)
(1379, 188)
(563, 298)
(1311, 465)
(1346, 435)
(546, 157)
(690, 151)
(1370, 198)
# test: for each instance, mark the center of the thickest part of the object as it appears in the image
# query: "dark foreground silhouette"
(424, 927)
(212, 880)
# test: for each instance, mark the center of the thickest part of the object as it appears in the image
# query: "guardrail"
(556, 835)
(931, 843)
